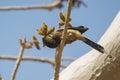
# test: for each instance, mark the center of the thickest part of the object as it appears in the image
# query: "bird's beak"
(44, 44)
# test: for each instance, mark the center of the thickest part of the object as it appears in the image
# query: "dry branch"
(26, 58)
(17, 63)
(1, 77)
(45, 6)
(50, 6)
(68, 59)
(97, 66)
(59, 49)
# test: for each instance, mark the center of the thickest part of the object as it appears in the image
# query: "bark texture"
(97, 66)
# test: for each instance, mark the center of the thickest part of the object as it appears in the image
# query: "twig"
(45, 6)
(18, 61)
(68, 59)
(0, 77)
(60, 49)
(50, 61)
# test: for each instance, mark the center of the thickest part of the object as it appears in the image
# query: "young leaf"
(50, 30)
(62, 17)
(40, 32)
(44, 28)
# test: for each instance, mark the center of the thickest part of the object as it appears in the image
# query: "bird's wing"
(81, 29)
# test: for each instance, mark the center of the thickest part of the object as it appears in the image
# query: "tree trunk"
(97, 66)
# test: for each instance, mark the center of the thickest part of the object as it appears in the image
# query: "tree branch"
(26, 58)
(45, 6)
(1, 77)
(18, 61)
(68, 59)
(60, 49)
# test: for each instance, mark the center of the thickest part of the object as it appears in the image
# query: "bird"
(73, 33)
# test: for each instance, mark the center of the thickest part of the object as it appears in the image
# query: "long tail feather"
(94, 45)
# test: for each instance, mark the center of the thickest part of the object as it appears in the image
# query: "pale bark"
(95, 65)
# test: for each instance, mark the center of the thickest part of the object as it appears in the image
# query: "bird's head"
(51, 41)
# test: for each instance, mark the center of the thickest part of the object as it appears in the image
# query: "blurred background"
(16, 24)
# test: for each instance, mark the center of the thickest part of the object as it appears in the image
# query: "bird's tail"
(94, 45)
